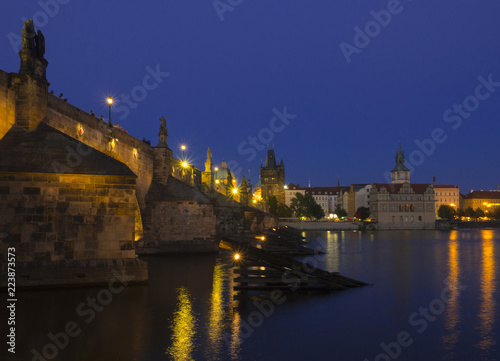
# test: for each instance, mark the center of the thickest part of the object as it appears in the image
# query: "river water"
(435, 296)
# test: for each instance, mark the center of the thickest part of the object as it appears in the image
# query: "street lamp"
(110, 102)
(183, 148)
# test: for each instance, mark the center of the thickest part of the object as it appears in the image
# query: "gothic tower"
(400, 174)
(272, 178)
(207, 177)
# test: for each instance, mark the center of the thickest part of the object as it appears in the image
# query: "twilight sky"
(304, 76)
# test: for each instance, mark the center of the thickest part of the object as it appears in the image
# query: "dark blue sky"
(226, 77)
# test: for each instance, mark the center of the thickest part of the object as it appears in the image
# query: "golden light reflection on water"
(235, 340)
(223, 327)
(183, 328)
(235, 346)
(488, 304)
(453, 310)
(333, 252)
(216, 314)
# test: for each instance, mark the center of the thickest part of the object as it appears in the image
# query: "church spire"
(400, 174)
(400, 159)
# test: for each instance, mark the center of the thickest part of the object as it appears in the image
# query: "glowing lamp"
(237, 256)
(184, 164)
(109, 100)
(235, 191)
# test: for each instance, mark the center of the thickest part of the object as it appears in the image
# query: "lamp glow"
(110, 102)
(237, 256)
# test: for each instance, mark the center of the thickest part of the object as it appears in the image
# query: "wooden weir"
(268, 263)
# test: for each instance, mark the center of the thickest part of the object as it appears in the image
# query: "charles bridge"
(80, 198)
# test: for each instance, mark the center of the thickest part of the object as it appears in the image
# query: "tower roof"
(270, 159)
(400, 160)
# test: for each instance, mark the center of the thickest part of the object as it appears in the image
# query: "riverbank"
(349, 226)
(322, 225)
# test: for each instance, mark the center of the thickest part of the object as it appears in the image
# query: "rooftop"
(483, 195)
(394, 188)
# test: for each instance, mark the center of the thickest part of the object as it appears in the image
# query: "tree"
(460, 213)
(479, 212)
(284, 211)
(340, 212)
(298, 205)
(316, 210)
(495, 213)
(362, 213)
(306, 206)
(273, 205)
(446, 212)
(469, 212)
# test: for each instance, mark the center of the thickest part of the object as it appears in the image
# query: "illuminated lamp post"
(183, 148)
(110, 102)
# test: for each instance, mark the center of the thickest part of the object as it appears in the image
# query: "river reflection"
(452, 313)
(188, 310)
(183, 328)
(488, 287)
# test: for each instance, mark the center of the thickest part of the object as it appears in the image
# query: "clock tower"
(400, 174)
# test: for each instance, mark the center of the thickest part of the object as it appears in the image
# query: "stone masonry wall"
(7, 104)
(178, 226)
(136, 154)
(257, 222)
(54, 217)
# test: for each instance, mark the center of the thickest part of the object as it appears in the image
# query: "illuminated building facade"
(447, 194)
(400, 204)
(485, 200)
(291, 190)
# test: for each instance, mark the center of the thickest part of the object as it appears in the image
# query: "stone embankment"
(322, 225)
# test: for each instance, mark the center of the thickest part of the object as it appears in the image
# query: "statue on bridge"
(163, 133)
(32, 54)
(163, 125)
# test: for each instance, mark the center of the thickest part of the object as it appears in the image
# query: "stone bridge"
(74, 189)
